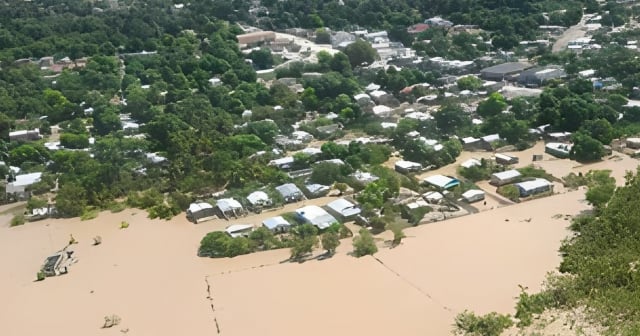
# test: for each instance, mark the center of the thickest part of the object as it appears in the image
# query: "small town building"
(505, 159)
(407, 166)
(364, 177)
(538, 76)
(505, 177)
(316, 216)
(559, 136)
(504, 71)
(25, 135)
(282, 163)
(559, 150)
(417, 28)
(302, 136)
(487, 142)
(473, 195)
(290, 192)
(437, 21)
(533, 187)
(276, 224)
(256, 38)
(441, 181)
(471, 144)
(201, 211)
(228, 207)
(18, 188)
(343, 209)
(239, 230)
(433, 197)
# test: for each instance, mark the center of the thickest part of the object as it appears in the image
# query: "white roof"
(468, 140)
(440, 181)
(274, 222)
(360, 96)
(560, 146)
(388, 125)
(155, 158)
(316, 216)
(195, 207)
(407, 164)
(312, 151)
(508, 174)
(491, 137)
(300, 135)
(226, 204)
(471, 193)
(381, 109)
(433, 195)
(372, 87)
(344, 207)
(533, 184)
(281, 161)
(470, 163)
(504, 156)
(377, 93)
(419, 116)
(236, 230)
(25, 179)
(417, 204)
(257, 197)
(633, 140)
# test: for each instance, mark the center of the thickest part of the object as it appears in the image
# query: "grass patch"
(17, 220)
(117, 207)
(89, 213)
(510, 191)
(532, 172)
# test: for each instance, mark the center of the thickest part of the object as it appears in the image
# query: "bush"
(17, 220)
(528, 305)
(117, 207)
(162, 211)
(36, 203)
(510, 191)
(214, 245)
(301, 246)
(124, 224)
(89, 213)
(492, 324)
(330, 241)
(574, 181)
(531, 171)
(40, 276)
(364, 244)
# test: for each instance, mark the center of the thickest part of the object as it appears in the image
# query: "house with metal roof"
(471, 163)
(403, 166)
(276, 224)
(538, 76)
(239, 230)
(441, 181)
(533, 187)
(505, 177)
(316, 216)
(290, 192)
(505, 159)
(200, 211)
(18, 188)
(559, 150)
(343, 209)
(259, 199)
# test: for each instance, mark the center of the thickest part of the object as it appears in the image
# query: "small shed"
(473, 195)
(633, 143)
(533, 187)
(471, 163)
(290, 192)
(441, 181)
(276, 224)
(505, 177)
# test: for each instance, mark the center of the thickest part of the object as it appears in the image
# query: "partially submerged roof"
(196, 207)
(344, 207)
(533, 184)
(470, 163)
(274, 222)
(228, 204)
(236, 230)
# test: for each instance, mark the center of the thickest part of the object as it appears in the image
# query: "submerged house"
(533, 187)
(228, 207)
(505, 177)
(239, 230)
(473, 195)
(343, 209)
(200, 212)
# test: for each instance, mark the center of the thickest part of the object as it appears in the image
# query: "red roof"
(417, 28)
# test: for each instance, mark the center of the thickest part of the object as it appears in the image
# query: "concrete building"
(536, 77)
(533, 187)
(504, 71)
(256, 38)
(505, 177)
